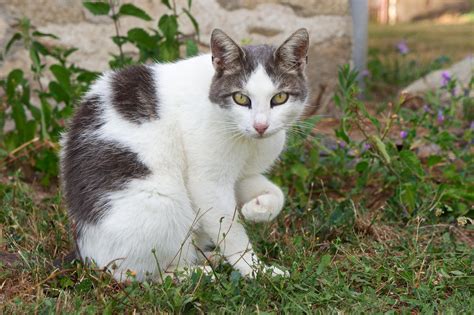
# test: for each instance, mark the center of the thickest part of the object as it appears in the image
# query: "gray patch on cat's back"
(91, 167)
(134, 93)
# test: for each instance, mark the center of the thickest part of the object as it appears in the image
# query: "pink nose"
(260, 128)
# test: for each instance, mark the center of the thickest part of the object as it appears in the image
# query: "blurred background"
(430, 30)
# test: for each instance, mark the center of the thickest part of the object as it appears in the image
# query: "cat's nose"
(260, 127)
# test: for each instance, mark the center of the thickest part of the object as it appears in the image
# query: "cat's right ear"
(226, 54)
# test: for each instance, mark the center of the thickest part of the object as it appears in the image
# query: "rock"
(462, 71)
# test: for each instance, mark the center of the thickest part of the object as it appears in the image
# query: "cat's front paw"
(252, 271)
(275, 271)
(263, 208)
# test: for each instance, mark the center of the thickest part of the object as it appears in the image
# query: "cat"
(157, 158)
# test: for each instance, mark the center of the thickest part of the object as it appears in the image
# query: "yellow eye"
(279, 99)
(241, 99)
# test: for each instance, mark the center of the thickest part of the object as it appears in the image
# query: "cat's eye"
(241, 99)
(279, 99)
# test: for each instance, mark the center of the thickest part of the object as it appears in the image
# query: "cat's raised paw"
(263, 208)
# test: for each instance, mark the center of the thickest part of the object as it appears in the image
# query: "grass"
(358, 234)
(360, 269)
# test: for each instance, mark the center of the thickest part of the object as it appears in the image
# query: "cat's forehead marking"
(259, 82)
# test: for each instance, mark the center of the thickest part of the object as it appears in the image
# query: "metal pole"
(360, 20)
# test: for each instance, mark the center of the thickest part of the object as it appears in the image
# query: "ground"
(353, 239)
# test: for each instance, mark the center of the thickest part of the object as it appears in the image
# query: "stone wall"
(249, 21)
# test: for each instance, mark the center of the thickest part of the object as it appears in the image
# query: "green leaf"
(412, 162)
(323, 264)
(40, 34)
(366, 114)
(19, 117)
(15, 37)
(35, 112)
(191, 48)
(30, 130)
(140, 37)
(434, 159)
(166, 3)
(45, 118)
(169, 51)
(87, 76)
(300, 170)
(408, 196)
(168, 24)
(36, 60)
(381, 149)
(62, 75)
(69, 51)
(57, 92)
(119, 40)
(40, 48)
(362, 166)
(13, 80)
(2, 121)
(97, 8)
(132, 10)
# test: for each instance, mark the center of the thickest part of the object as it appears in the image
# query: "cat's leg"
(146, 231)
(206, 251)
(261, 200)
(219, 219)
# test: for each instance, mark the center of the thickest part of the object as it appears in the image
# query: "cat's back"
(120, 127)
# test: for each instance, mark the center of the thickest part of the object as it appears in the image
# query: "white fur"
(205, 160)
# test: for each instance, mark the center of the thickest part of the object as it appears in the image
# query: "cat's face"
(262, 89)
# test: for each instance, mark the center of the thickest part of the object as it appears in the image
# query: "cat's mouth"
(265, 135)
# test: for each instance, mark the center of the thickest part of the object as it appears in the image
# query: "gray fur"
(284, 65)
(91, 168)
(134, 93)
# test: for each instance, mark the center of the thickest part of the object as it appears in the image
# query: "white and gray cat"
(158, 158)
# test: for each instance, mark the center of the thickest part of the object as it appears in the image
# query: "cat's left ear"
(292, 55)
(226, 54)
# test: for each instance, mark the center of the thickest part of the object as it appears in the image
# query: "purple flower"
(365, 147)
(403, 134)
(402, 47)
(342, 144)
(427, 108)
(440, 117)
(365, 73)
(471, 126)
(445, 78)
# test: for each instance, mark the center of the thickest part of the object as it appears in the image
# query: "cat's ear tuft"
(292, 54)
(226, 54)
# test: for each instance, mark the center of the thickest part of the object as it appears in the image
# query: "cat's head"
(261, 88)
